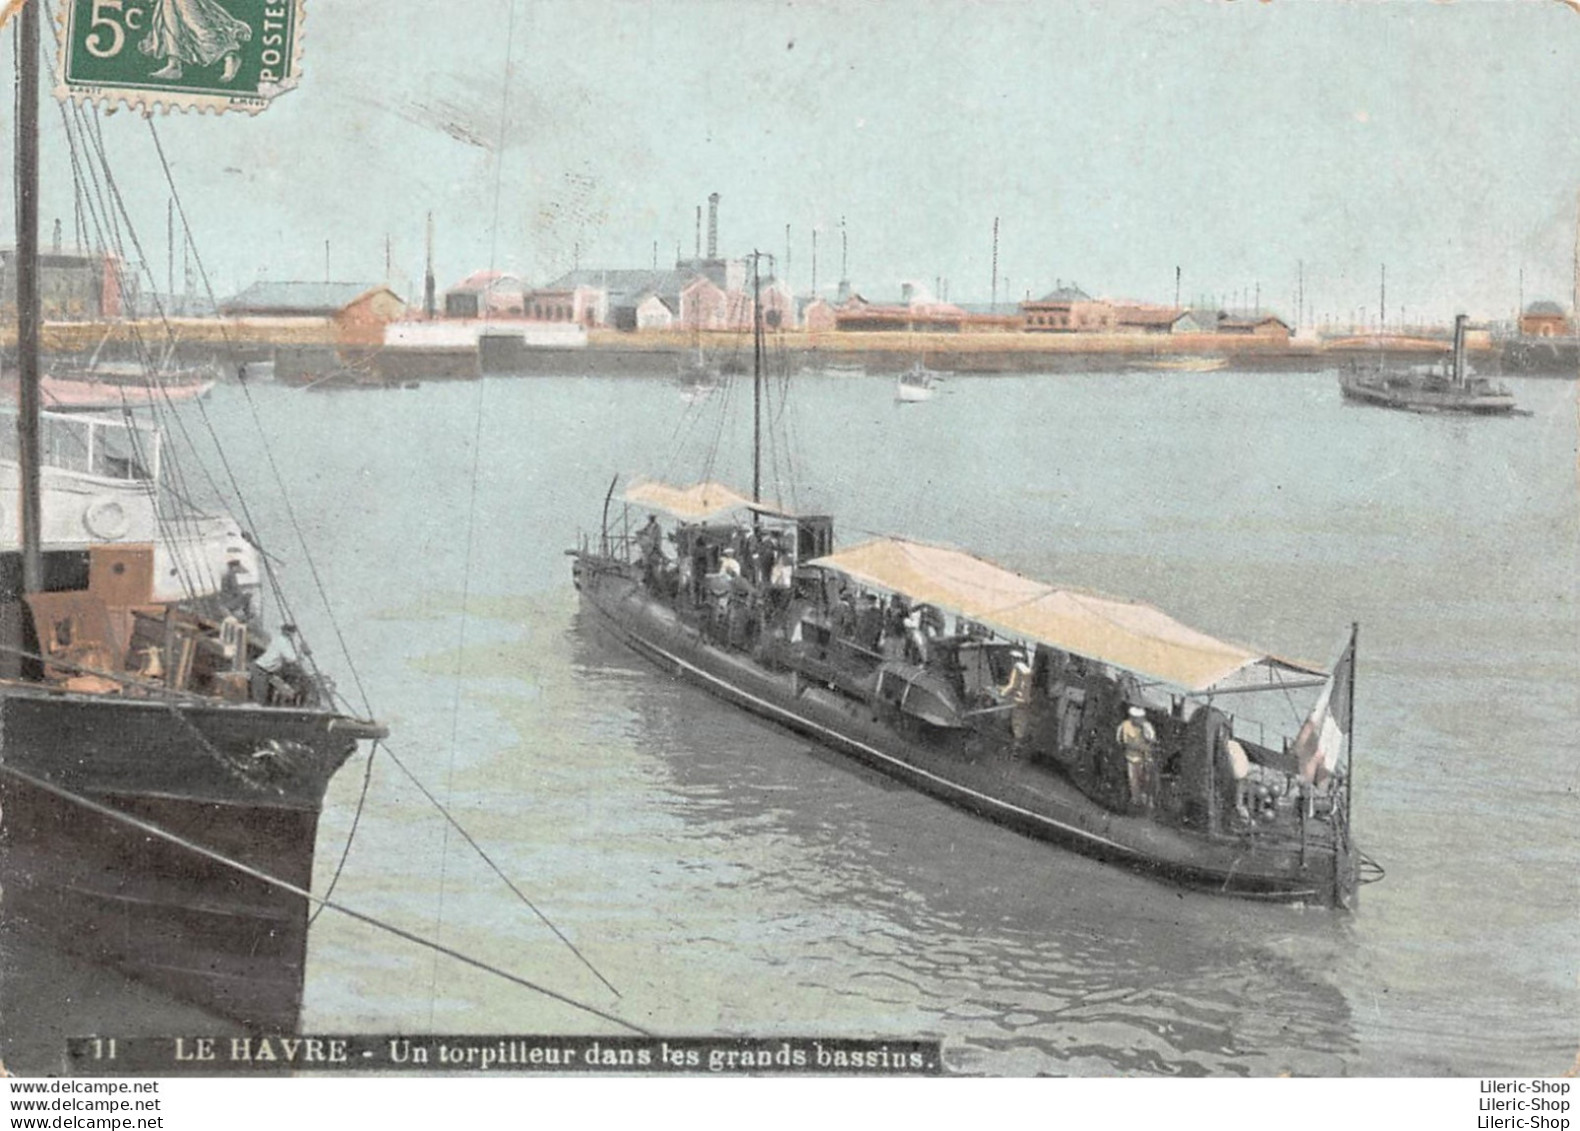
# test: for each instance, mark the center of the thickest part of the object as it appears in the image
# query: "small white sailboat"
(698, 377)
(918, 383)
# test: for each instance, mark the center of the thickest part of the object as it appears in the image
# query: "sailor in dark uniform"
(235, 600)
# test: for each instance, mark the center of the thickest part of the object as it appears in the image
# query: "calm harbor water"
(728, 877)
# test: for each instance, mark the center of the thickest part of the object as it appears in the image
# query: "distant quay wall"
(662, 352)
(244, 333)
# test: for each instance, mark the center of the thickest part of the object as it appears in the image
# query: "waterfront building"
(817, 314)
(490, 293)
(583, 305)
(266, 299)
(74, 285)
(358, 311)
(1544, 320)
(779, 306)
(989, 316)
(704, 305)
(623, 291)
(1145, 318)
(697, 294)
(1068, 309)
(1267, 326)
(362, 321)
(654, 312)
(915, 311)
(1199, 320)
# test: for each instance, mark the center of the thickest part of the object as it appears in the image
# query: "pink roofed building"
(818, 316)
(704, 305)
(583, 305)
(489, 294)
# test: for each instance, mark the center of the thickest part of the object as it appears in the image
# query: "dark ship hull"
(1453, 389)
(1417, 397)
(1547, 357)
(242, 781)
(974, 770)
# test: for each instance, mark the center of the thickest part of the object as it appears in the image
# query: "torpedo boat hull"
(960, 766)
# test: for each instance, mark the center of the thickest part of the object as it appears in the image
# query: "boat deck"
(1286, 858)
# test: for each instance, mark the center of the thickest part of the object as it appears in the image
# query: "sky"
(1112, 140)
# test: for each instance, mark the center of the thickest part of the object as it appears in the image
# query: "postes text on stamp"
(188, 54)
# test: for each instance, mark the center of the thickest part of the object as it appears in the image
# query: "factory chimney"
(429, 305)
(698, 254)
(844, 262)
(713, 225)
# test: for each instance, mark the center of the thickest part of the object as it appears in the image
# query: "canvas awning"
(1127, 634)
(950, 579)
(697, 503)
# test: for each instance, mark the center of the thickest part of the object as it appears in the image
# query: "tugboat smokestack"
(1459, 348)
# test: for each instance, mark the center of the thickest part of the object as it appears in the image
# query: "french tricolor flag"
(1323, 742)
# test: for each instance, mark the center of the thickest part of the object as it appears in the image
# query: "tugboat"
(1433, 389)
(1101, 725)
(162, 763)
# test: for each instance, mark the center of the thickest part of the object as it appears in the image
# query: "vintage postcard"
(963, 539)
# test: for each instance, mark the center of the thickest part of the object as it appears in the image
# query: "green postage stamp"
(205, 54)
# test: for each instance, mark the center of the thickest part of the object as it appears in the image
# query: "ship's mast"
(28, 313)
(1349, 769)
(757, 378)
(1574, 309)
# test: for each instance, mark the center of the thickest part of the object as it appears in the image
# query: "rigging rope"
(346, 650)
(174, 468)
(273, 881)
(351, 833)
(107, 192)
(162, 520)
(444, 812)
(471, 501)
(690, 417)
(95, 135)
(268, 451)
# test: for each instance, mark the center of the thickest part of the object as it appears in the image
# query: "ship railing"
(1339, 817)
(90, 445)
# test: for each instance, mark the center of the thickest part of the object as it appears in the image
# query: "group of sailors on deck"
(742, 586)
(744, 582)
